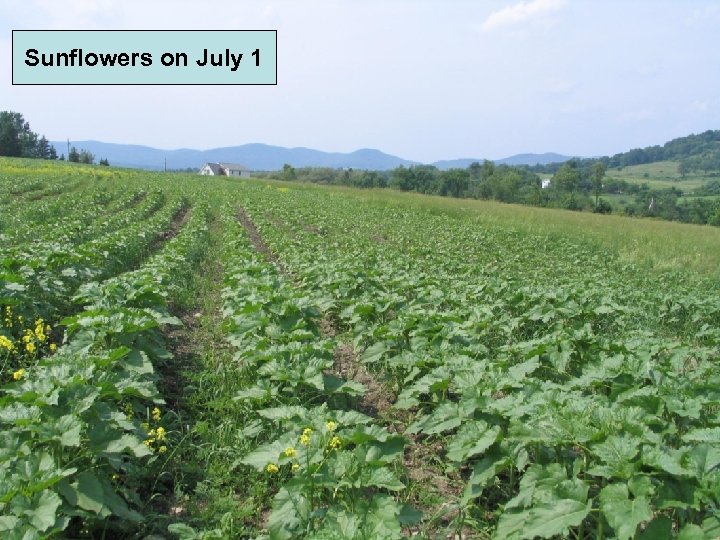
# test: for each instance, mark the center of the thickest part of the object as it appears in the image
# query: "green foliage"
(367, 356)
(16, 138)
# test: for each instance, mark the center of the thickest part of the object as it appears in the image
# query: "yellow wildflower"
(48, 330)
(145, 426)
(335, 443)
(40, 329)
(27, 338)
(148, 442)
(305, 437)
(290, 452)
(19, 374)
(30, 347)
(272, 468)
(7, 344)
(53, 347)
(156, 414)
(330, 425)
(160, 433)
(162, 449)
(295, 467)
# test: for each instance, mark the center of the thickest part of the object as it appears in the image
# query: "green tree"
(402, 179)
(74, 155)
(683, 168)
(567, 178)
(288, 173)
(597, 173)
(86, 157)
(104, 162)
(454, 182)
(9, 136)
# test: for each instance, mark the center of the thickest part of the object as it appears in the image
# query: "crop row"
(82, 431)
(566, 404)
(95, 212)
(332, 466)
(40, 283)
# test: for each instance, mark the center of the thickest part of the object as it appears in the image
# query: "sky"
(421, 79)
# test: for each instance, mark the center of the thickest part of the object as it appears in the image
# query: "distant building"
(225, 169)
(545, 183)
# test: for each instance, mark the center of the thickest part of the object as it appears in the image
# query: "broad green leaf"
(445, 417)
(659, 528)
(711, 526)
(691, 532)
(126, 443)
(373, 353)
(269, 453)
(484, 472)
(543, 520)
(97, 495)
(409, 515)
(709, 435)
(44, 510)
(8, 523)
(471, 439)
(284, 413)
(556, 518)
(70, 427)
(538, 484)
(290, 512)
(382, 519)
(184, 532)
(383, 478)
(622, 513)
(617, 453)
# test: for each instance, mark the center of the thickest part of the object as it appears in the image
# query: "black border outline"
(12, 63)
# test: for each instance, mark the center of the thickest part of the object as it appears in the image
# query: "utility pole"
(165, 164)
(68, 148)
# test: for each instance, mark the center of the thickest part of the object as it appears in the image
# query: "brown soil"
(180, 219)
(137, 199)
(377, 400)
(257, 241)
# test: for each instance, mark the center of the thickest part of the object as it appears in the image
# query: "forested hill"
(699, 152)
(703, 145)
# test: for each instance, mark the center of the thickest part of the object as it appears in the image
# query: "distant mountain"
(533, 159)
(517, 159)
(258, 157)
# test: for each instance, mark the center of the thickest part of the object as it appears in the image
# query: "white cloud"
(521, 12)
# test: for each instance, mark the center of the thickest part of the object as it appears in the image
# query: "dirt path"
(258, 243)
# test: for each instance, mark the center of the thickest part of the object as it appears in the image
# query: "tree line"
(18, 140)
(578, 184)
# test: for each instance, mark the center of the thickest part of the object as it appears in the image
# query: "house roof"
(214, 167)
(234, 166)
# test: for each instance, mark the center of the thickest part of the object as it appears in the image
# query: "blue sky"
(422, 79)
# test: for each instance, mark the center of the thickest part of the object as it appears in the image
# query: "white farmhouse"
(225, 169)
(545, 183)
